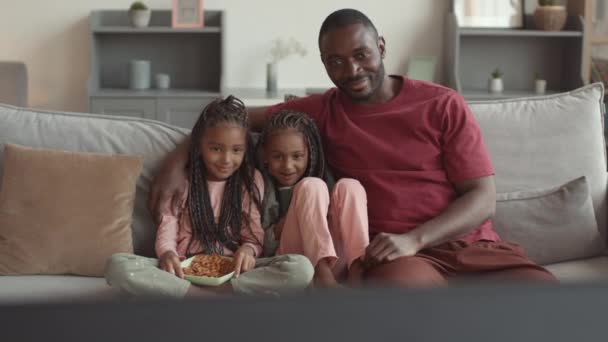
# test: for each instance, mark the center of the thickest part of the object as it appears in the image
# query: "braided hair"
(302, 123)
(226, 232)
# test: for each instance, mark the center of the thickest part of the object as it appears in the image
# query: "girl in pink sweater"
(220, 215)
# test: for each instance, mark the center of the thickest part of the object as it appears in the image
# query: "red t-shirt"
(404, 152)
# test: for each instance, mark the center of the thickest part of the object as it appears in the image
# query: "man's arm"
(257, 118)
(168, 185)
(475, 204)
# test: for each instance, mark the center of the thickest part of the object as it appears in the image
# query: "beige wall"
(51, 37)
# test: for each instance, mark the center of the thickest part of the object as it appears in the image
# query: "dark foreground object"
(490, 313)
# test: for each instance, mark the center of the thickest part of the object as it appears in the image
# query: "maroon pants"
(459, 260)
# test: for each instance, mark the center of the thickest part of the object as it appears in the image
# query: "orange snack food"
(209, 266)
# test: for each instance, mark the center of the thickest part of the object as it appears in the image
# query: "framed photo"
(489, 13)
(187, 14)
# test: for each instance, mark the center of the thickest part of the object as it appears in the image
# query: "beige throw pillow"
(552, 225)
(64, 212)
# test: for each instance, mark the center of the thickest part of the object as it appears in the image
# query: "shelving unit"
(593, 40)
(472, 54)
(191, 57)
(584, 9)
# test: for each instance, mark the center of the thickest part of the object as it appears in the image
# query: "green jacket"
(275, 205)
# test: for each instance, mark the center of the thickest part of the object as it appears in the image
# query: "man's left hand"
(388, 247)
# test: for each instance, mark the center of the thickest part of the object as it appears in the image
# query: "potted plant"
(496, 85)
(139, 14)
(550, 15)
(540, 84)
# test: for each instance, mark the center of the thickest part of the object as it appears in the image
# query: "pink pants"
(319, 227)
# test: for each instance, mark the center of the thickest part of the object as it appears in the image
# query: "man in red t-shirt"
(418, 152)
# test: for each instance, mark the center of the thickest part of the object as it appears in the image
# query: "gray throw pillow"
(552, 225)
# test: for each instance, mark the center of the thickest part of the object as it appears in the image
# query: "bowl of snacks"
(208, 270)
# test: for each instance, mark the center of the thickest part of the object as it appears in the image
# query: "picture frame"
(187, 14)
(489, 13)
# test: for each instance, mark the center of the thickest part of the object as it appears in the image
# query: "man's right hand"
(169, 262)
(167, 188)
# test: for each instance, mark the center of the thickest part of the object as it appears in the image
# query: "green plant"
(537, 76)
(138, 5)
(497, 73)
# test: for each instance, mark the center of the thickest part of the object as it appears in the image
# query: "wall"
(51, 37)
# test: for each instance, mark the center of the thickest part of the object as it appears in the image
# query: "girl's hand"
(169, 262)
(243, 260)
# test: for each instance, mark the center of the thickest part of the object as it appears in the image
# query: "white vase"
(496, 85)
(139, 74)
(162, 81)
(140, 18)
(271, 77)
(540, 86)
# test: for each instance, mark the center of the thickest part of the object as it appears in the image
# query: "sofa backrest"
(546, 141)
(97, 133)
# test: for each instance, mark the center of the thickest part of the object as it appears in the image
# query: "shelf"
(483, 94)
(159, 29)
(153, 93)
(518, 33)
(473, 53)
(192, 57)
(117, 21)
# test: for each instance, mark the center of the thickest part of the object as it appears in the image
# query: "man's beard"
(375, 81)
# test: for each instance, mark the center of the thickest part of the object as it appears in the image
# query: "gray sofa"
(537, 145)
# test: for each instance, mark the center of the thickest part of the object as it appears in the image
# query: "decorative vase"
(162, 81)
(140, 18)
(271, 77)
(139, 74)
(496, 85)
(540, 86)
(550, 18)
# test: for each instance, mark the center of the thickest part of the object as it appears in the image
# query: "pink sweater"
(175, 232)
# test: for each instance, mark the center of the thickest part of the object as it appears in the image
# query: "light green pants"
(141, 276)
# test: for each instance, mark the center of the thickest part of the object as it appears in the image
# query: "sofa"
(549, 154)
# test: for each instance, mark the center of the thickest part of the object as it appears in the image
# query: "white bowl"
(206, 281)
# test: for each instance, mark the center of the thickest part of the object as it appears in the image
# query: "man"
(418, 152)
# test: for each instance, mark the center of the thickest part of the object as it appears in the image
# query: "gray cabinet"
(180, 112)
(140, 108)
(192, 57)
(472, 54)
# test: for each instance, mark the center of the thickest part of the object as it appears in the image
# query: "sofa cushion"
(102, 134)
(552, 225)
(64, 212)
(52, 288)
(581, 271)
(539, 142)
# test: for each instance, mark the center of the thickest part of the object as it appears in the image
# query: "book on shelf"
(599, 71)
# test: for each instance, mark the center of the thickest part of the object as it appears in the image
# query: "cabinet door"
(139, 108)
(181, 112)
